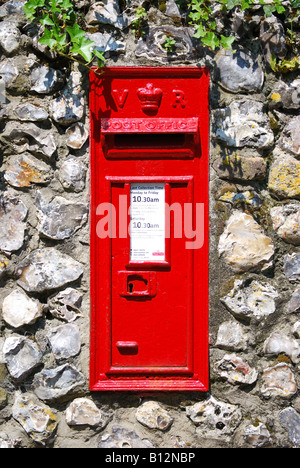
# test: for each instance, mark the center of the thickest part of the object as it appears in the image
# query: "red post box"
(149, 229)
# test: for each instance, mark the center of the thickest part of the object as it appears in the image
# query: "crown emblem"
(150, 98)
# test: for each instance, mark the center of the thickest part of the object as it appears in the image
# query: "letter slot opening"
(171, 140)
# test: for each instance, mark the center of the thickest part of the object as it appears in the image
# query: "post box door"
(151, 299)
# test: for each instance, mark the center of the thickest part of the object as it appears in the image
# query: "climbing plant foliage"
(202, 17)
(62, 31)
(64, 27)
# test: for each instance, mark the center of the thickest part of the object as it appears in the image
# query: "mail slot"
(149, 229)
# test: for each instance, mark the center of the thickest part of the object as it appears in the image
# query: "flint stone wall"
(44, 242)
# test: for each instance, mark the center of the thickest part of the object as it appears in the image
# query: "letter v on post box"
(149, 229)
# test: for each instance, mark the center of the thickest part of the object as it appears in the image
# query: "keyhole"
(130, 287)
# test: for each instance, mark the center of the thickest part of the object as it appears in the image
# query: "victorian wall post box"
(149, 229)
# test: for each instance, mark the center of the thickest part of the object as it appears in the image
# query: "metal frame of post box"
(173, 166)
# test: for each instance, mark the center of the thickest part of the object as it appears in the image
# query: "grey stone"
(45, 80)
(241, 199)
(286, 95)
(152, 415)
(52, 384)
(291, 266)
(28, 137)
(31, 113)
(294, 302)
(10, 37)
(6, 442)
(284, 176)
(61, 218)
(290, 137)
(84, 412)
(257, 435)
(47, 269)
(24, 169)
(290, 420)
(273, 38)
(122, 438)
(285, 220)
(18, 309)
(22, 356)
(239, 168)
(9, 72)
(239, 72)
(12, 228)
(69, 107)
(279, 381)
(215, 419)
(244, 246)
(152, 45)
(235, 370)
(72, 175)
(76, 136)
(242, 124)
(37, 419)
(65, 305)
(64, 341)
(107, 13)
(13, 9)
(251, 299)
(107, 43)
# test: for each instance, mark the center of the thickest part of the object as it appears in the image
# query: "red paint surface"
(155, 335)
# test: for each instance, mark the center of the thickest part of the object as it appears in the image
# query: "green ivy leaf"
(76, 33)
(84, 48)
(226, 42)
(211, 40)
(48, 39)
(233, 3)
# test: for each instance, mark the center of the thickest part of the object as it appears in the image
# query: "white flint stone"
(291, 266)
(66, 304)
(294, 302)
(84, 412)
(22, 356)
(18, 309)
(24, 169)
(106, 43)
(214, 418)
(68, 108)
(244, 246)
(10, 37)
(239, 71)
(64, 341)
(122, 438)
(106, 12)
(46, 269)
(12, 227)
(279, 381)
(243, 123)
(152, 415)
(258, 436)
(290, 137)
(232, 337)
(235, 370)
(286, 221)
(45, 80)
(278, 343)
(61, 218)
(72, 175)
(28, 137)
(52, 384)
(251, 299)
(37, 419)
(31, 113)
(76, 136)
